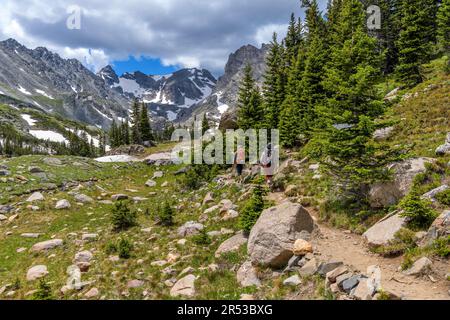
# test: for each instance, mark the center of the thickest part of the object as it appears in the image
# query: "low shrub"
(122, 217)
(418, 211)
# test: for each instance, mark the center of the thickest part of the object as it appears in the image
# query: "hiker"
(239, 160)
(266, 163)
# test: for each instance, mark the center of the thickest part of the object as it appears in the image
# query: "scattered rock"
(383, 232)
(46, 245)
(92, 293)
(272, 238)
(392, 95)
(74, 278)
(439, 228)
(332, 275)
(119, 197)
(158, 174)
(292, 281)
(232, 244)
(350, 283)
(150, 183)
(310, 268)
(62, 204)
(190, 228)
(247, 276)
(445, 148)
(363, 291)
(160, 263)
(37, 272)
(389, 193)
(382, 134)
(89, 237)
(83, 198)
(208, 198)
(83, 256)
(52, 161)
(133, 284)
(30, 235)
(184, 287)
(4, 173)
(35, 170)
(326, 267)
(431, 194)
(246, 297)
(343, 277)
(420, 267)
(37, 196)
(3, 217)
(302, 247)
(230, 214)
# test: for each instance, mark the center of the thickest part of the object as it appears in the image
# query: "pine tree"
(135, 123)
(113, 135)
(250, 111)
(292, 41)
(274, 84)
(344, 142)
(144, 126)
(417, 38)
(205, 124)
(316, 58)
(124, 133)
(443, 24)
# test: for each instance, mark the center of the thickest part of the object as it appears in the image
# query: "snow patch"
(171, 115)
(43, 93)
(28, 119)
(117, 158)
(48, 135)
(24, 91)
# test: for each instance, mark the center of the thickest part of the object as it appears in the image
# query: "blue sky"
(145, 65)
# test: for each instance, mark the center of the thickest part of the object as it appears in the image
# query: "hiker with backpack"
(239, 161)
(266, 163)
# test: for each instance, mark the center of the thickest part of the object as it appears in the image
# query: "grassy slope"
(95, 218)
(44, 121)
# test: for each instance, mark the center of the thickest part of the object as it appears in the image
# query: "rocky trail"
(331, 244)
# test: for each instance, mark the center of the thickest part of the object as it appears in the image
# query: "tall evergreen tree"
(443, 25)
(135, 123)
(205, 124)
(417, 38)
(344, 142)
(250, 111)
(124, 133)
(274, 83)
(144, 125)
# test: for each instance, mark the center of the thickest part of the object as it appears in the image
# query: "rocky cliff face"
(57, 85)
(224, 96)
(166, 95)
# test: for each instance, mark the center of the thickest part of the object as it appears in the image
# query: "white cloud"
(200, 33)
(264, 34)
(94, 59)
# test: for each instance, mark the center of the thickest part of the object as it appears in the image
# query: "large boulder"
(383, 232)
(445, 148)
(184, 287)
(272, 238)
(247, 275)
(232, 244)
(37, 272)
(439, 228)
(37, 196)
(385, 194)
(46, 245)
(190, 228)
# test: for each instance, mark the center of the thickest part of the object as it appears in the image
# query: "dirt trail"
(334, 244)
